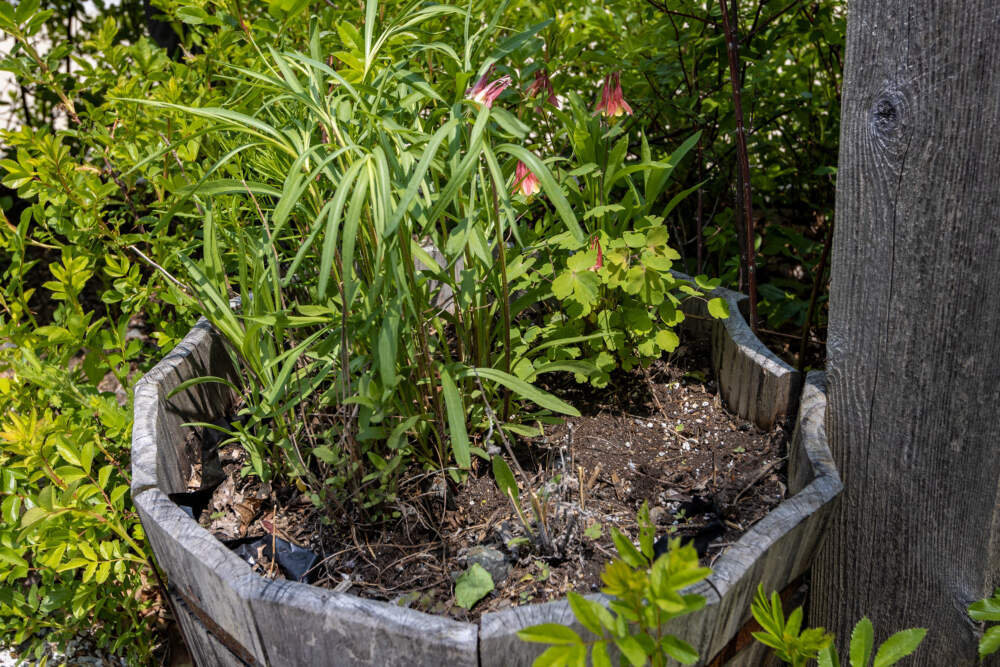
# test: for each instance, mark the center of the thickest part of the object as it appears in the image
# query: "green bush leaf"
(679, 650)
(990, 642)
(584, 611)
(472, 586)
(631, 649)
(627, 550)
(987, 609)
(549, 633)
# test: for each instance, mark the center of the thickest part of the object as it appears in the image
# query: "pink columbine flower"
(485, 93)
(525, 182)
(612, 103)
(542, 85)
(596, 243)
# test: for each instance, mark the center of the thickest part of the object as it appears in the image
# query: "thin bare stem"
(814, 295)
(732, 50)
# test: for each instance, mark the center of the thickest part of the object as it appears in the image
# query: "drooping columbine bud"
(525, 182)
(612, 102)
(485, 93)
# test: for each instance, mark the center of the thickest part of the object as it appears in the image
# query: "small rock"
(658, 515)
(491, 560)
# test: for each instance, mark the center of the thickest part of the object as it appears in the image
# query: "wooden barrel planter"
(231, 616)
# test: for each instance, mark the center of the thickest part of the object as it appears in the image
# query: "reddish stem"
(732, 50)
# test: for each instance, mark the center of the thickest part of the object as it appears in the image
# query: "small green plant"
(647, 594)
(791, 643)
(797, 646)
(988, 609)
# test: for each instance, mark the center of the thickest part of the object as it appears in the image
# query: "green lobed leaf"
(472, 586)
(718, 308)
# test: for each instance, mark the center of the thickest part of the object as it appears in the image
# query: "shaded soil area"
(659, 437)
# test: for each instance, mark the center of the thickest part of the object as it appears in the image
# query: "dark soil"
(660, 437)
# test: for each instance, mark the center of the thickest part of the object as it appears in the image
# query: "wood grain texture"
(302, 625)
(914, 334)
(753, 381)
(205, 649)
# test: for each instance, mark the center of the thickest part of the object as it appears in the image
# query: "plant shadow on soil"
(661, 437)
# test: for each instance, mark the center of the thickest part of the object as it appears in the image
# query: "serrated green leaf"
(828, 657)
(987, 609)
(862, 642)
(898, 646)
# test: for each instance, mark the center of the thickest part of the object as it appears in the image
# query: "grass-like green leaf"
(456, 420)
(524, 390)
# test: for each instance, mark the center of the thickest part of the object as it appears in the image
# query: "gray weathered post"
(914, 337)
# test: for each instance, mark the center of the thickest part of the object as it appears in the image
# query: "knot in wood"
(887, 115)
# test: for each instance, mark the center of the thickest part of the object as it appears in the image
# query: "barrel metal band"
(227, 640)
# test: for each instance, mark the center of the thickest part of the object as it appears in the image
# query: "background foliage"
(93, 200)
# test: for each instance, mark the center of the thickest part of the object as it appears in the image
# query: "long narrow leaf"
(524, 390)
(456, 421)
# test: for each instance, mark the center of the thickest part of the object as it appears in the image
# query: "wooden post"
(914, 336)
